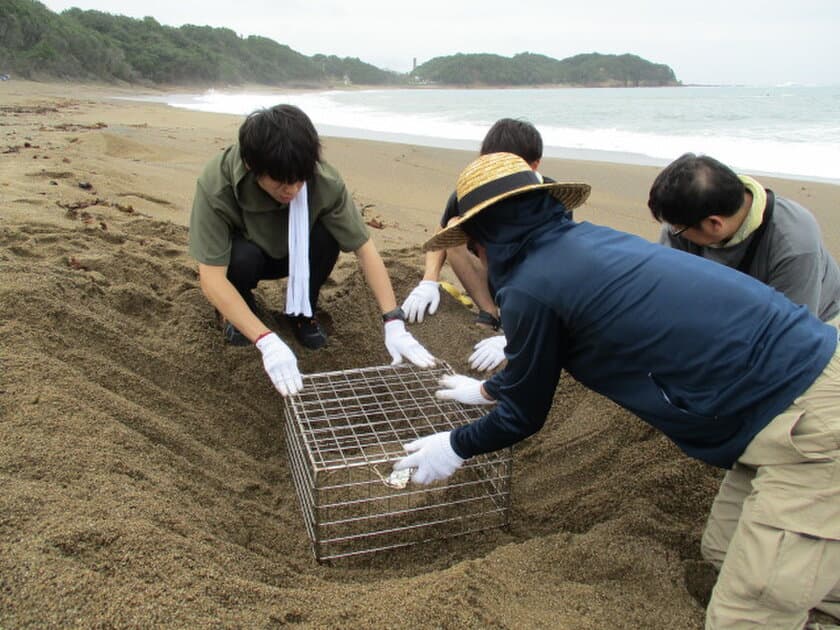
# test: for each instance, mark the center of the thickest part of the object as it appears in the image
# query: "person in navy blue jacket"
(728, 368)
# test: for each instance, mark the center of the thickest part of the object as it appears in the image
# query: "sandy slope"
(143, 471)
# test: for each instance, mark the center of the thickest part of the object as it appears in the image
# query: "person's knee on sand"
(250, 265)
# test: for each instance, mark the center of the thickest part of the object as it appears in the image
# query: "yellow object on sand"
(454, 292)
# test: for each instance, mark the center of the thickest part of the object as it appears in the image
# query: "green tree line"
(91, 45)
(530, 69)
(37, 43)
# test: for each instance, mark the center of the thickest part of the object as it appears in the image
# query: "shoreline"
(147, 150)
(549, 151)
(234, 100)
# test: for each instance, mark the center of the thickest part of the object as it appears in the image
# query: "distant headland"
(39, 44)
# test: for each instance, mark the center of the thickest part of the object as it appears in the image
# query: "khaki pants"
(774, 527)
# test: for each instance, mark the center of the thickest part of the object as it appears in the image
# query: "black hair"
(509, 135)
(280, 142)
(694, 187)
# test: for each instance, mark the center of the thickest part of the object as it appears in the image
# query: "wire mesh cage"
(344, 431)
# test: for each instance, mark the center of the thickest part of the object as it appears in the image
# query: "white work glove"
(462, 389)
(401, 343)
(489, 353)
(280, 364)
(425, 295)
(432, 457)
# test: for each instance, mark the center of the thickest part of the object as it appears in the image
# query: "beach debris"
(22, 109)
(141, 195)
(73, 127)
(398, 479)
(52, 174)
(74, 207)
(455, 292)
(85, 185)
(80, 205)
(374, 221)
(16, 148)
(74, 263)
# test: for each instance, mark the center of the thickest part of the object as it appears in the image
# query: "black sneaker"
(308, 331)
(233, 336)
(229, 331)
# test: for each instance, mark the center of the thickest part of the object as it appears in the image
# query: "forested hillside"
(530, 69)
(37, 43)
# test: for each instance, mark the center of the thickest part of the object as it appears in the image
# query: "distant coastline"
(98, 46)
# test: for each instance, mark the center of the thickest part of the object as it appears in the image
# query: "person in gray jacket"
(708, 210)
(747, 381)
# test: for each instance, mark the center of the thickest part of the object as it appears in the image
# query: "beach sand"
(143, 470)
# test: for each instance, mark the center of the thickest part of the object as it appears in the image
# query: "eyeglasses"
(674, 232)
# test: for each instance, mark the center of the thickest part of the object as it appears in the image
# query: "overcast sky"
(766, 42)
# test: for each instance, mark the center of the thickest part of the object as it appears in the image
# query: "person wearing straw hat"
(709, 210)
(747, 381)
(507, 135)
(268, 207)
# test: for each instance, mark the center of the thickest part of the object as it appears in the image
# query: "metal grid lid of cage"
(344, 431)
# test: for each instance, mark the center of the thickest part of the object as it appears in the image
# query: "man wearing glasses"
(708, 210)
(747, 381)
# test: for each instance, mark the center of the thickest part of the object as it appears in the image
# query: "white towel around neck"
(297, 289)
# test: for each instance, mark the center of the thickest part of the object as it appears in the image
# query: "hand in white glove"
(425, 295)
(489, 353)
(462, 389)
(401, 343)
(433, 458)
(280, 364)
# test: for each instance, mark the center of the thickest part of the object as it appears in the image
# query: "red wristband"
(265, 334)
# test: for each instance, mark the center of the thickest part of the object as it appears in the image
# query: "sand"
(143, 471)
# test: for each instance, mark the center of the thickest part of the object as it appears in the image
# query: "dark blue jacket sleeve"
(524, 390)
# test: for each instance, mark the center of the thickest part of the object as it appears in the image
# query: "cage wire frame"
(345, 429)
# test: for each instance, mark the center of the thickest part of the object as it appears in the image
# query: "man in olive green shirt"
(267, 208)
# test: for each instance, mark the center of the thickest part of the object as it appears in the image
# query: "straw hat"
(494, 177)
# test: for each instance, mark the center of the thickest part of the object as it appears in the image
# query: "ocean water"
(792, 131)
